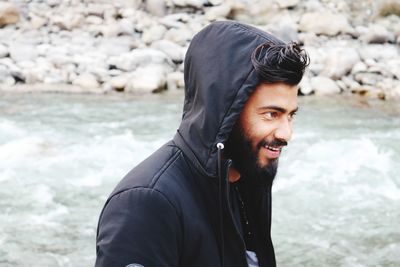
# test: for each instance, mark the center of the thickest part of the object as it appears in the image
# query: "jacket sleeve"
(138, 226)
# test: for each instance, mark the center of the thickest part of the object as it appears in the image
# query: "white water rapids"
(336, 200)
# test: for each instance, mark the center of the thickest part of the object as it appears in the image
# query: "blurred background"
(90, 88)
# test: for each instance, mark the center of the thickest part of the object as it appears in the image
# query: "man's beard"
(246, 159)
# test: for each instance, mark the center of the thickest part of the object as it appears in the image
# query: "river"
(336, 199)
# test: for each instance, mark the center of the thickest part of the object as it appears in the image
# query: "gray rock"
(139, 57)
(9, 14)
(287, 3)
(3, 51)
(154, 33)
(324, 86)
(285, 32)
(149, 79)
(22, 51)
(156, 7)
(359, 67)
(325, 23)
(174, 51)
(86, 80)
(367, 78)
(378, 52)
(305, 86)
(218, 12)
(339, 62)
(179, 36)
(175, 80)
(350, 83)
(118, 83)
(376, 34)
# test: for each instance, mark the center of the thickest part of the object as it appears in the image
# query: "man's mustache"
(274, 143)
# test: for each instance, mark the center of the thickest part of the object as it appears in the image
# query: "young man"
(204, 198)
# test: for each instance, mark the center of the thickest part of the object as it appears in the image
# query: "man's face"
(263, 129)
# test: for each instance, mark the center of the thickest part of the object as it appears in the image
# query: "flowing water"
(336, 199)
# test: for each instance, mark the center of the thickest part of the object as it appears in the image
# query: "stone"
(393, 66)
(114, 46)
(324, 22)
(38, 22)
(287, 3)
(3, 51)
(180, 36)
(154, 33)
(148, 79)
(156, 7)
(118, 83)
(339, 62)
(9, 14)
(359, 67)
(22, 51)
(350, 83)
(218, 12)
(139, 57)
(285, 32)
(305, 86)
(367, 78)
(68, 21)
(376, 34)
(378, 52)
(324, 86)
(86, 80)
(175, 80)
(174, 51)
(189, 3)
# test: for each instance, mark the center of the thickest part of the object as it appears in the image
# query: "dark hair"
(280, 62)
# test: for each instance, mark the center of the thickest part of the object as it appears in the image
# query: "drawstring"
(220, 146)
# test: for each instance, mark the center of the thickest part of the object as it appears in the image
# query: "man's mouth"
(273, 152)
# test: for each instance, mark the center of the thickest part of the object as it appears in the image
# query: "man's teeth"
(272, 148)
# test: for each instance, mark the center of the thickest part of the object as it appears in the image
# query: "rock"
(305, 86)
(154, 33)
(3, 51)
(287, 3)
(38, 22)
(325, 23)
(86, 80)
(9, 14)
(175, 80)
(114, 46)
(359, 67)
(376, 34)
(174, 51)
(118, 83)
(156, 7)
(393, 66)
(218, 12)
(189, 3)
(339, 62)
(67, 21)
(378, 52)
(96, 20)
(179, 36)
(324, 86)
(22, 51)
(285, 32)
(139, 57)
(149, 79)
(350, 83)
(367, 78)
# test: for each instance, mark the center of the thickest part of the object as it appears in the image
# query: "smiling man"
(204, 198)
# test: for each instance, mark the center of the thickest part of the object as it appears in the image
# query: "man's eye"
(271, 115)
(292, 115)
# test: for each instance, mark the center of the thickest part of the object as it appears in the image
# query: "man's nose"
(284, 130)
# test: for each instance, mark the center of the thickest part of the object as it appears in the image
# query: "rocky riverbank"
(139, 46)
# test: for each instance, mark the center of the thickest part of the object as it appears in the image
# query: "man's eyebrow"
(277, 108)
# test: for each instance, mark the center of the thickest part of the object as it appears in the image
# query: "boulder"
(138, 58)
(148, 79)
(359, 67)
(218, 12)
(324, 22)
(86, 80)
(174, 51)
(324, 86)
(9, 14)
(339, 62)
(3, 51)
(175, 80)
(376, 34)
(154, 33)
(156, 7)
(180, 36)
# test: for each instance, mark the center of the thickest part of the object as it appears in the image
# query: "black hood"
(219, 77)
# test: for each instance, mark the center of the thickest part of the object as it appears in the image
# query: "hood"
(219, 77)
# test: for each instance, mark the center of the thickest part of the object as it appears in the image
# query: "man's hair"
(280, 62)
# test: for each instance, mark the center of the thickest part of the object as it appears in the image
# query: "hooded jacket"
(176, 208)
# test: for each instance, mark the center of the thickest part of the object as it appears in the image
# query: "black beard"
(246, 160)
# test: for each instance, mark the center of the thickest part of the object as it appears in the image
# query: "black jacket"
(176, 208)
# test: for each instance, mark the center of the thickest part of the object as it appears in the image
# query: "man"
(204, 198)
